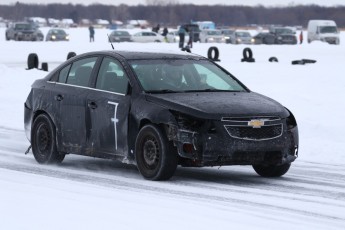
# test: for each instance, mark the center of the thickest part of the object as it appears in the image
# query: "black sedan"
(158, 111)
(265, 38)
(120, 36)
(57, 35)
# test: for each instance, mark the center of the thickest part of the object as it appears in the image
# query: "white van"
(323, 30)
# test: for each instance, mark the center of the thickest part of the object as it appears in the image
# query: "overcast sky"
(197, 2)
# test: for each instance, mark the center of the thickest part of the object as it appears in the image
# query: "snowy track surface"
(310, 195)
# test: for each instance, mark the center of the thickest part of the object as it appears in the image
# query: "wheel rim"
(43, 138)
(151, 152)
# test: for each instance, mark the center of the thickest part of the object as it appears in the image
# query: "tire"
(7, 37)
(156, 157)
(272, 170)
(44, 66)
(43, 141)
(210, 55)
(70, 55)
(32, 61)
(247, 53)
(273, 59)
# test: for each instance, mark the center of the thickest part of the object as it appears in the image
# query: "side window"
(63, 74)
(80, 72)
(112, 77)
(211, 78)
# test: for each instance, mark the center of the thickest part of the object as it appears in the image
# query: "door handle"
(92, 105)
(58, 97)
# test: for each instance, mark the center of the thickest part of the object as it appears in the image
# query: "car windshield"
(176, 75)
(214, 32)
(23, 26)
(121, 33)
(61, 32)
(242, 34)
(328, 29)
(283, 31)
(227, 32)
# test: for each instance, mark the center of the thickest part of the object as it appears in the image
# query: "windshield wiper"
(213, 90)
(162, 91)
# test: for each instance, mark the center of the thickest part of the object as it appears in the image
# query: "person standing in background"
(92, 33)
(301, 37)
(191, 38)
(181, 34)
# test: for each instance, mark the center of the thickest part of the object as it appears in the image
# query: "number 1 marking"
(115, 120)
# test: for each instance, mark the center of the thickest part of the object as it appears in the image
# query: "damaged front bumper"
(213, 145)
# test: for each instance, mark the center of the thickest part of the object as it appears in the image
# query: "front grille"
(250, 133)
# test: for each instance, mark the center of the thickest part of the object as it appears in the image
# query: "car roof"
(135, 55)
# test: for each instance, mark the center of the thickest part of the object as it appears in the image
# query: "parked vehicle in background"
(120, 36)
(196, 31)
(57, 35)
(147, 36)
(323, 30)
(206, 25)
(211, 36)
(173, 36)
(23, 31)
(228, 34)
(264, 38)
(284, 35)
(241, 37)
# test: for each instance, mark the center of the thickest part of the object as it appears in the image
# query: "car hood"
(215, 105)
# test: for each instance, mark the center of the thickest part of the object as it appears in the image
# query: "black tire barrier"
(297, 62)
(44, 66)
(303, 61)
(70, 55)
(32, 61)
(309, 61)
(210, 52)
(186, 48)
(273, 59)
(247, 55)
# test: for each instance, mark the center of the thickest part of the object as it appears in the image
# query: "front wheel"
(43, 141)
(272, 170)
(156, 157)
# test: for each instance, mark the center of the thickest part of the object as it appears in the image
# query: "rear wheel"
(156, 156)
(43, 141)
(272, 170)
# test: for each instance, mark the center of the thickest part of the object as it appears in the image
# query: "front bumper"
(216, 147)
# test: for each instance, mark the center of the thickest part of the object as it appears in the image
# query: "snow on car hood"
(214, 105)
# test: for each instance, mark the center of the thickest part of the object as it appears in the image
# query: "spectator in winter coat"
(92, 34)
(181, 33)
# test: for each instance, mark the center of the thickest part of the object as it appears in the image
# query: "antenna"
(110, 42)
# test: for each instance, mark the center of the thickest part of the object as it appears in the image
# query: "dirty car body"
(157, 111)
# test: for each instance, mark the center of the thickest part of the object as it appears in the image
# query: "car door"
(107, 111)
(138, 37)
(70, 94)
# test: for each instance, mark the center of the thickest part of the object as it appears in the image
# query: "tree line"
(176, 14)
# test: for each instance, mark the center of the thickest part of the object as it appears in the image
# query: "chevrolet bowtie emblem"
(256, 123)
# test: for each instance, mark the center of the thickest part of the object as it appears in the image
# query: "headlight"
(67, 37)
(291, 121)
(53, 37)
(280, 38)
(211, 39)
(226, 37)
(252, 40)
(238, 39)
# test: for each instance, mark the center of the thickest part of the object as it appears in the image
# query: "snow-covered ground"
(87, 193)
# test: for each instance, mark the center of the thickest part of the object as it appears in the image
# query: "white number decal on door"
(115, 120)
